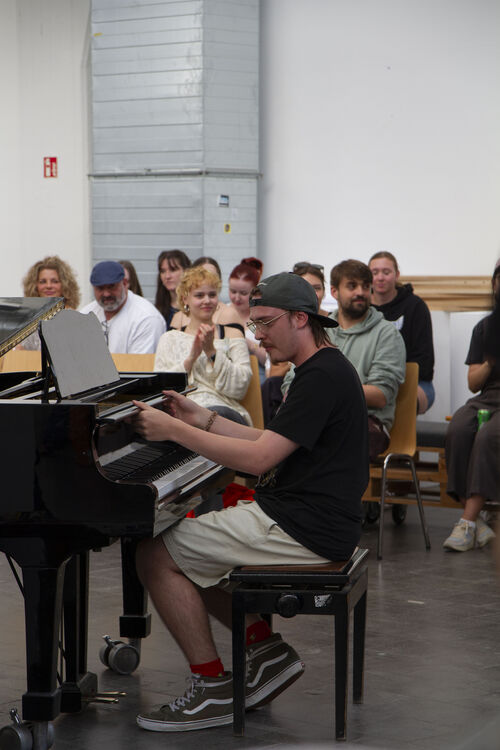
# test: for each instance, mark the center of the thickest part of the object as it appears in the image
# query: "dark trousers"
(472, 455)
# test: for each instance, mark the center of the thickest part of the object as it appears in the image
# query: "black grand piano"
(75, 477)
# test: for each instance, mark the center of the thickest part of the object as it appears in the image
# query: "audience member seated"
(171, 266)
(314, 275)
(472, 452)
(214, 356)
(131, 277)
(371, 344)
(411, 317)
(223, 314)
(242, 280)
(131, 324)
(50, 277)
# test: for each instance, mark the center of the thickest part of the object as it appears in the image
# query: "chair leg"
(382, 506)
(239, 666)
(420, 505)
(341, 662)
(358, 662)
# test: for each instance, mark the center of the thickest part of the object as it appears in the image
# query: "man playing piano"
(312, 461)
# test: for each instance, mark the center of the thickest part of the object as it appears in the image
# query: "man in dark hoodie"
(412, 318)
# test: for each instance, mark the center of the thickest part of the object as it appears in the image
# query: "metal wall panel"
(174, 125)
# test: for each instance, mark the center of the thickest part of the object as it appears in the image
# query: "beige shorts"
(207, 548)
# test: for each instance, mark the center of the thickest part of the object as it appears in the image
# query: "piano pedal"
(122, 658)
(99, 698)
(26, 735)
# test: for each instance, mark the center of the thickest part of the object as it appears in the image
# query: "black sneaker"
(272, 665)
(207, 702)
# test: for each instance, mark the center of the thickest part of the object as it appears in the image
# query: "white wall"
(380, 124)
(43, 81)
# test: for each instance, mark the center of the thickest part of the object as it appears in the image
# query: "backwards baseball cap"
(106, 272)
(287, 291)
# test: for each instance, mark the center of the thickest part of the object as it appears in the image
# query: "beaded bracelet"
(211, 420)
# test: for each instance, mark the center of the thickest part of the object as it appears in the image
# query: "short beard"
(113, 306)
(355, 313)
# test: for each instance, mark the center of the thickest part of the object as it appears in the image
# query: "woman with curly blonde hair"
(50, 277)
(214, 356)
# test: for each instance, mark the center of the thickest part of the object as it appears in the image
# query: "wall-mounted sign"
(50, 166)
(223, 200)
(227, 228)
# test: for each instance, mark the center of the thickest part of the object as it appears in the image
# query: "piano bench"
(333, 588)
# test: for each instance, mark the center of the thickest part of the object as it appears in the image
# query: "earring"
(186, 309)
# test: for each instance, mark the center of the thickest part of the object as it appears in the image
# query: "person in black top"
(412, 318)
(472, 453)
(313, 465)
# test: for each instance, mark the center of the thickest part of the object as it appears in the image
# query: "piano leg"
(78, 684)
(135, 623)
(43, 588)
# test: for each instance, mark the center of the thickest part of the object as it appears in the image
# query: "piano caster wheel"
(23, 735)
(122, 658)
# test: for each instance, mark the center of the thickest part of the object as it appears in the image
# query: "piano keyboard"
(169, 467)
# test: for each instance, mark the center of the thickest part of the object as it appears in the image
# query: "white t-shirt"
(135, 329)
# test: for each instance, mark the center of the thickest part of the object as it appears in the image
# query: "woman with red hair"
(242, 280)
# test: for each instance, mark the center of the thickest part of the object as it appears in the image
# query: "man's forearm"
(229, 448)
(374, 397)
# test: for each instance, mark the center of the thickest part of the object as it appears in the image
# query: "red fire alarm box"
(50, 166)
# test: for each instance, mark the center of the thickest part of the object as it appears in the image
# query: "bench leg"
(341, 662)
(359, 649)
(239, 666)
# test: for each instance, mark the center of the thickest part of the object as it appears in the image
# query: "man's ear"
(301, 318)
(334, 292)
(126, 282)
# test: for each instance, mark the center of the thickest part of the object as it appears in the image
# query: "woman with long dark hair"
(171, 266)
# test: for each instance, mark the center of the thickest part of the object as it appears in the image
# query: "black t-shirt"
(315, 493)
(477, 354)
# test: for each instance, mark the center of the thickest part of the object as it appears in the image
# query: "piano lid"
(19, 317)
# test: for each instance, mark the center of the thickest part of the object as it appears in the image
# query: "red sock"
(257, 632)
(213, 668)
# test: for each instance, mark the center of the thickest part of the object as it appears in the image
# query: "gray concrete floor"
(432, 676)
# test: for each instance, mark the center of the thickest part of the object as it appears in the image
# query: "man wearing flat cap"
(312, 462)
(130, 323)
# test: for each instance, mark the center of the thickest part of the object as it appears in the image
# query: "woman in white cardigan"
(214, 356)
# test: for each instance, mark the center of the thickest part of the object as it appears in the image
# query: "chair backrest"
(404, 427)
(134, 362)
(20, 360)
(252, 401)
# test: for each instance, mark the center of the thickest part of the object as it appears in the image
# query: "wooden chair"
(252, 400)
(402, 449)
(336, 588)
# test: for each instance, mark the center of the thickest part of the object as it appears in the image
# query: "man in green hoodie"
(371, 343)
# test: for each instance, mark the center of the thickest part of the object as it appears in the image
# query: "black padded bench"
(333, 588)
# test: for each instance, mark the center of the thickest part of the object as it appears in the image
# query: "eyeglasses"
(298, 267)
(262, 324)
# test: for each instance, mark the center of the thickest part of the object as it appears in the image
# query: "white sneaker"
(484, 534)
(462, 538)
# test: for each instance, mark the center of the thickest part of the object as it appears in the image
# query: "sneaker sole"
(274, 687)
(457, 549)
(156, 725)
